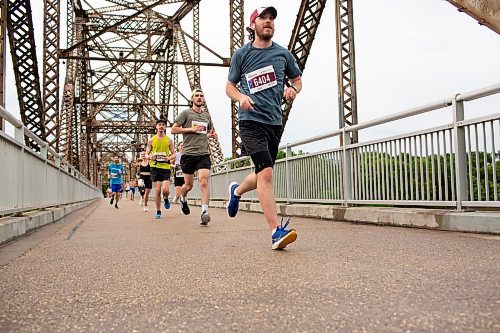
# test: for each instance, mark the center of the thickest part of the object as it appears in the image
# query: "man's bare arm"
(178, 129)
(292, 91)
(172, 150)
(246, 103)
(148, 148)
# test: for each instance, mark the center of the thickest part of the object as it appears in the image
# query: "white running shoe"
(205, 218)
(145, 208)
(176, 199)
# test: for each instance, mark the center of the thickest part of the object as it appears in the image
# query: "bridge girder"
(50, 80)
(237, 33)
(23, 50)
(118, 102)
(141, 47)
(303, 34)
(486, 12)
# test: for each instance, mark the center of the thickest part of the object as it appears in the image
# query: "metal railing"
(39, 179)
(453, 165)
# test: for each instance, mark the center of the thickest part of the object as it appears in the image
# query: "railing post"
(288, 174)
(460, 153)
(44, 150)
(19, 134)
(21, 170)
(59, 165)
(57, 160)
(346, 179)
(228, 169)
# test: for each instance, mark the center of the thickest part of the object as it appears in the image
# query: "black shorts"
(178, 176)
(192, 163)
(160, 175)
(147, 181)
(260, 141)
(178, 181)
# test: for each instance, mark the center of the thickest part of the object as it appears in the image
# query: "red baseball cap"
(261, 11)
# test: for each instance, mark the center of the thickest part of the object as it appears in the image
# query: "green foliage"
(428, 178)
(104, 187)
(393, 177)
(236, 165)
(480, 175)
(282, 154)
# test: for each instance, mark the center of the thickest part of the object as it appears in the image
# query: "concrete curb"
(13, 227)
(436, 219)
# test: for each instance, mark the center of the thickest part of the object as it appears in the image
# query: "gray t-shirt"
(195, 143)
(262, 75)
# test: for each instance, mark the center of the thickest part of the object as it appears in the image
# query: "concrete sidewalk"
(122, 270)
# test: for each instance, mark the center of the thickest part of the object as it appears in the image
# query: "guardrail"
(36, 179)
(454, 165)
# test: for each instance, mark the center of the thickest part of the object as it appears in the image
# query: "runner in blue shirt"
(115, 173)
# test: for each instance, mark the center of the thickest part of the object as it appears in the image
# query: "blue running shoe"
(158, 215)
(282, 237)
(234, 200)
(166, 203)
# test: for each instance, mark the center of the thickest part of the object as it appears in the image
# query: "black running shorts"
(142, 190)
(192, 163)
(260, 141)
(160, 175)
(178, 181)
(147, 181)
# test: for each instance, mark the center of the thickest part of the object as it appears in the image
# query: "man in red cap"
(260, 68)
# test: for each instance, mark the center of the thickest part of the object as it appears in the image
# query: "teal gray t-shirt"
(261, 74)
(195, 143)
(116, 176)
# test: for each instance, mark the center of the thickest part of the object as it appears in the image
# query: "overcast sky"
(408, 53)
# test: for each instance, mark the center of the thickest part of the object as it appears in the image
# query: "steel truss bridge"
(122, 64)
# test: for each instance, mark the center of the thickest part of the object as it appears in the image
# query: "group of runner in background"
(161, 162)
(256, 80)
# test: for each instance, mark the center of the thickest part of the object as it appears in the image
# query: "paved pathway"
(104, 269)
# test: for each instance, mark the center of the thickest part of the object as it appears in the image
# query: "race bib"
(114, 172)
(261, 79)
(204, 126)
(160, 156)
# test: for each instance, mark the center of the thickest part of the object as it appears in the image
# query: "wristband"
(294, 88)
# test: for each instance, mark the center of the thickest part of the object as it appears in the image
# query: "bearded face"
(198, 99)
(264, 27)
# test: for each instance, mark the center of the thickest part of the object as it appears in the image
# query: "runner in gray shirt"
(196, 127)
